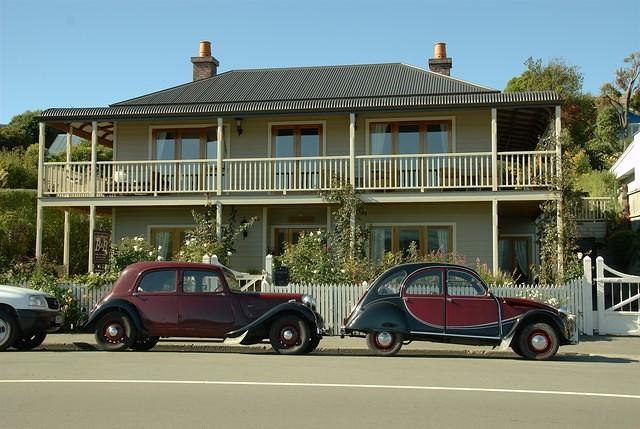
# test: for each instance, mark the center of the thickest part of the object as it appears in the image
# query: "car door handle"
(449, 299)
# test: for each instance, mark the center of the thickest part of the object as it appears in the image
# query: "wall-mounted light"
(239, 125)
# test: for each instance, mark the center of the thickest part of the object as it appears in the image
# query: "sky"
(86, 53)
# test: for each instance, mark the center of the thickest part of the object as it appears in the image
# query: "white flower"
(136, 248)
(315, 271)
(342, 271)
(159, 248)
(311, 234)
(229, 253)
(150, 253)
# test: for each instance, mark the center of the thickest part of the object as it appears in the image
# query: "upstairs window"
(185, 143)
(289, 141)
(411, 137)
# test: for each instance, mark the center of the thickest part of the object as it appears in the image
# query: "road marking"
(330, 385)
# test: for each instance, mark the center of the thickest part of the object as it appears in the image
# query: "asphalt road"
(91, 389)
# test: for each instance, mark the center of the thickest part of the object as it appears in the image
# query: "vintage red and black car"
(151, 300)
(450, 303)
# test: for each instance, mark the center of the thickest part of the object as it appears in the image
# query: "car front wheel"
(538, 341)
(289, 335)
(384, 343)
(8, 330)
(114, 332)
(30, 341)
(142, 344)
(312, 344)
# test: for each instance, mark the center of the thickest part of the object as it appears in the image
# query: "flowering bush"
(539, 296)
(131, 250)
(203, 240)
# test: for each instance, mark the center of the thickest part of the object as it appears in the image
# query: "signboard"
(101, 246)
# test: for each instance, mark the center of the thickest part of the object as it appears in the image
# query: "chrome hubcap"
(539, 342)
(287, 334)
(113, 331)
(4, 331)
(384, 339)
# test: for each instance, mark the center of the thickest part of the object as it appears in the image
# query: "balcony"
(525, 170)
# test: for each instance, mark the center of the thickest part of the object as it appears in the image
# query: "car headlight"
(309, 301)
(37, 301)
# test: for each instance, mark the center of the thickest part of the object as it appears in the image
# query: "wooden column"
(494, 236)
(494, 149)
(352, 149)
(265, 235)
(92, 228)
(94, 157)
(39, 212)
(560, 205)
(220, 147)
(67, 220)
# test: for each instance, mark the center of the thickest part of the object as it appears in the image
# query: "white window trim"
(226, 135)
(321, 122)
(410, 119)
(427, 224)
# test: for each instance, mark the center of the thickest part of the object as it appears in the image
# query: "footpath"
(593, 347)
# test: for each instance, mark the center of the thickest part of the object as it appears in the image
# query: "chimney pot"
(205, 48)
(440, 50)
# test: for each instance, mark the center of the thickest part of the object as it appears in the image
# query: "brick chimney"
(440, 63)
(204, 65)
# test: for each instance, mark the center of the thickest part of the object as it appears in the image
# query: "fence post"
(600, 294)
(214, 260)
(587, 300)
(206, 259)
(268, 267)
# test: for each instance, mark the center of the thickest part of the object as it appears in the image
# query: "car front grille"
(53, 303)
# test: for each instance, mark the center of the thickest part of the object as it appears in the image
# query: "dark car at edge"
(450, 303)
(151, 300)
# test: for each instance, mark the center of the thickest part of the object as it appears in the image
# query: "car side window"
(428, 282)
(198, 281)
(391, 285)
(160, 281)
(461, 283)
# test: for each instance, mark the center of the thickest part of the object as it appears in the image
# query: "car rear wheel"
(384, 343)
(538, 341)
(115, 332)
(30, 341)
(289, 335)
(142, 344)
(8, 330)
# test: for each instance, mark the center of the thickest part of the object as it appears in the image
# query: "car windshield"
(231, 279)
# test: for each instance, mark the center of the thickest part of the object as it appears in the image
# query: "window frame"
(405, 285)
(481, 283)
(175, 231)
(321, 124)
(290, 229)
(178, 128)
(423, 122)
(219, 275)
(424, 234)
(511, 239)
(137, 290)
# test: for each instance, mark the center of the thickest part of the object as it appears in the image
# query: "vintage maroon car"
(172, 299)
(450, 303)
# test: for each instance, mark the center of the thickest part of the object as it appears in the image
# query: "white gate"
(618, 301)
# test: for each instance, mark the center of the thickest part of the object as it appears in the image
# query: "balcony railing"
(373, 173)
(593, 208)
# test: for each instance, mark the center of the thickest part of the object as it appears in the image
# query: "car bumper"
(33, 321)
(571, 333)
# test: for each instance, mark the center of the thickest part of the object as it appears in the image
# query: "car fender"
(379, 316)
(535, 316)
(114, 305)
(260, 326)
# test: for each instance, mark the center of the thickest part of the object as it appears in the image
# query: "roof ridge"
(457, 79)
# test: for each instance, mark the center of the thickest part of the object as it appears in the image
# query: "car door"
(470, 310)
(156, 299)
(423, 297)
(205, 306)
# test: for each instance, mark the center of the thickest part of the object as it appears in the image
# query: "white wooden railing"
(529, 169)
(424, 171)
(593, 208)
(516, 170)
(284, 174)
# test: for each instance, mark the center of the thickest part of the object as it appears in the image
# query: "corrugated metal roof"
(543, 98)
(311, 83)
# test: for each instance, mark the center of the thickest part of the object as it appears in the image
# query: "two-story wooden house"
(451, 165)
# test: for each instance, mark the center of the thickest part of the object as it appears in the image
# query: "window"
(461, 283)
(289, 235)
(201, 282)
(232, 281)
(428, 239)
(425, 283)
(515, 256)
(391, 285)
(160, 281)
(388, 138)
(170, 240)
(185, 143)
(296, 140)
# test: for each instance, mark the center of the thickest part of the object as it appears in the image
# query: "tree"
(604, 146)
(578, 109)
(624, 89)
(23, 131)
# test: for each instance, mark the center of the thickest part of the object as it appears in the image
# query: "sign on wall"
(101, 246)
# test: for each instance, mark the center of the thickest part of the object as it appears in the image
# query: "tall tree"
(624, 89)
(22, 131)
